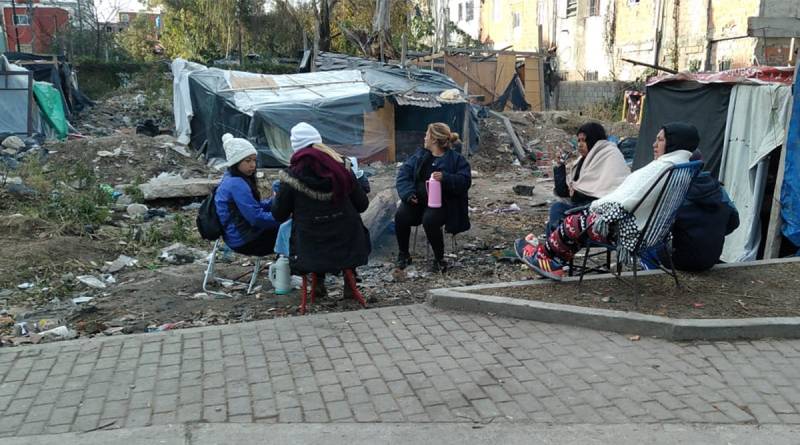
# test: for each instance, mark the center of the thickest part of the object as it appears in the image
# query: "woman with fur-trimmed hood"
(322, 196)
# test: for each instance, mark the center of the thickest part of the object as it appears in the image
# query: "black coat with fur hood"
(326, 237)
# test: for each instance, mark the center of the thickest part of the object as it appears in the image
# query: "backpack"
(208, 223)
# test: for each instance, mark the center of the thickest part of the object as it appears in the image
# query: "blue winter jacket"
(456, 181)
(243, 218)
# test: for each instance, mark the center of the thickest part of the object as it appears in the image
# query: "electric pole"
(15, 22)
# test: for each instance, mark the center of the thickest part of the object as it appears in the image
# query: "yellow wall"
(501, 30)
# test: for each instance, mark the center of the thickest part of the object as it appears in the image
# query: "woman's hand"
(438, 176)
(413, 200)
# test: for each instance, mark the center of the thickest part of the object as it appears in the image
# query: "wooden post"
(404, 50)
(772, 244)
(516, 144)
(465, 142)
(315, 50)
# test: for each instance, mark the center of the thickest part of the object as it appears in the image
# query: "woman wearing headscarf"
(250, 227)
(600, 169)
(322, 196)
(435, 161)
(612, 217)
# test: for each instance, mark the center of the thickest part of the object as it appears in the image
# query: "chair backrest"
(671, 196)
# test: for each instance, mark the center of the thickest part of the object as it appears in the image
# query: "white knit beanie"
(304, 135)
(236, 149)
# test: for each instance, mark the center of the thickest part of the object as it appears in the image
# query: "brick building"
(34, 25)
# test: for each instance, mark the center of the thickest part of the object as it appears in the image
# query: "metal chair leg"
(314, 279)
(254, 278)
(583, 268)
(635, 282)
(209, 275)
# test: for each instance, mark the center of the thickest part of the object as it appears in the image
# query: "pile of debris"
(14, 150)
(128, 111)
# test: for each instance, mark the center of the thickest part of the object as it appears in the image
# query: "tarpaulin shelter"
(32, 95)
(741, 116)
(376, 112)
(56, 71)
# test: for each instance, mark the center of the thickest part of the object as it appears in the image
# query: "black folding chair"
(657, 228)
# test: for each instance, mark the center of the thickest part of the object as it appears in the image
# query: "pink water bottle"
(434, 189)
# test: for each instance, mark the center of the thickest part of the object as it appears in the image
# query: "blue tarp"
(790, 192)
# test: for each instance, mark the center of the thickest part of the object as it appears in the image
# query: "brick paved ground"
(396, 364)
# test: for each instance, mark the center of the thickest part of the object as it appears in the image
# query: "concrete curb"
(463, 299)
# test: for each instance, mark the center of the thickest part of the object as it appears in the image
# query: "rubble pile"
(125, 111)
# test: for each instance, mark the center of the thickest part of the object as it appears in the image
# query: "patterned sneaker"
(544, 265)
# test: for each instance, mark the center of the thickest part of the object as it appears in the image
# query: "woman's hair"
(594, 132)
(442, 135)
(250, 180)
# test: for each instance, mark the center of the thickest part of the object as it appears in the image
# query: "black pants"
(264, 245)
(432, 220)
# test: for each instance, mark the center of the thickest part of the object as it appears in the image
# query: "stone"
(523, 190)
(168, 185)
(380, 213)
(10, 151)
(135, 210)
(181, 254)
(13, 142)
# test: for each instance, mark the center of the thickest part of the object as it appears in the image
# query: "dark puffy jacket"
(243, 218)
(456, 181)
(702, 223)
(326, 237)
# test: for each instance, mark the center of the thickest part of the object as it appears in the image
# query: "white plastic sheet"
(182, 102)
(757, 118)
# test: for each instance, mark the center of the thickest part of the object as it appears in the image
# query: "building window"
(124, 18)
(460, 12)
(22, 20)
(572, 8)
(724, 65)
(694, 65)
(516, 19)
(594, 8)
(633, 2)
(470, 10)
(591, 76)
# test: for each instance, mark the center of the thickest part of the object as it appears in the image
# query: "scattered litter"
(82, 300)
(606, 299)
(25, 286)
(60, 332)
(698, 305)
(114, 331)
(110, 154)
(120, 263)
(181, 254)
(92, 281)
(635, 337)
(510, 209)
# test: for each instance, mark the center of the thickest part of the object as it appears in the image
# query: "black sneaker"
(439, 266)
(403, 260)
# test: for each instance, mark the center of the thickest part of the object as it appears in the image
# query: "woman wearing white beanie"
(250, 228)
(322, 196)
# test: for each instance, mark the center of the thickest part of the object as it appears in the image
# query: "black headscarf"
(680, 136)
(594, 132)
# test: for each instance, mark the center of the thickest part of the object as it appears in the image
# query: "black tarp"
(60, 75)
(411, 123)
(703, 105)
(214, 114)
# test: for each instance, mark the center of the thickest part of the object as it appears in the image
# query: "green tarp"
(52, 107)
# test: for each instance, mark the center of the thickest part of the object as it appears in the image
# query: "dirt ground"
(41, 264)
(718, 293)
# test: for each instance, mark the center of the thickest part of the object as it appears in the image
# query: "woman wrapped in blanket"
(611, 218)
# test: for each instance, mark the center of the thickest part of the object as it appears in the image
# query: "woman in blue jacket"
(250, 228)
(438, 160)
